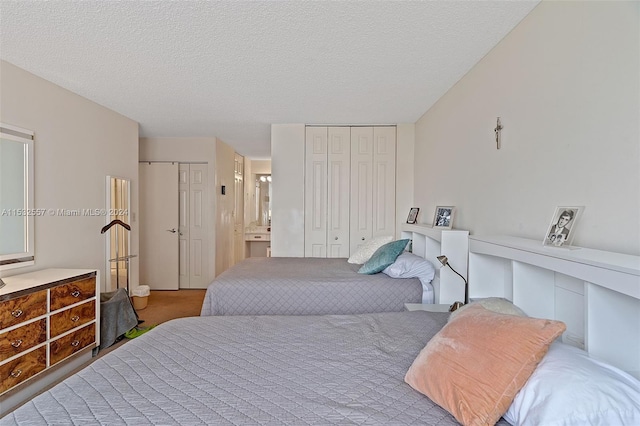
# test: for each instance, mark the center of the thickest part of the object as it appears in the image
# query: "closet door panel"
(361, 216)
(384, 180)
(339, 155)
(183, 216)
(315, 200)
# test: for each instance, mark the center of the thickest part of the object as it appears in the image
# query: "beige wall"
(187, 150)
(566, 85)
(77, 144)
(225, 206)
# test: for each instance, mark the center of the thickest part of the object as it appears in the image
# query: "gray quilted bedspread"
(270, 370)
(305, 286)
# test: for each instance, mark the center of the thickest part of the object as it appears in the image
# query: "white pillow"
(409, 265)
(366, 249)
(569, 388)
(495, 304)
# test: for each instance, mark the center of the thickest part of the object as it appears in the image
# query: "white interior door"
(183, 230)
(361, 212)
(338, 156)
(159, 225)
(315, 192)
(198, 226)
(194, 225)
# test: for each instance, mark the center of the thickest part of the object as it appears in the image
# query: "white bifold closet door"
(373, 183)
(327, 191)
(194, 225)
(350, 179)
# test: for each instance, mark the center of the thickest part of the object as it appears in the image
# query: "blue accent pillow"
(383, 257)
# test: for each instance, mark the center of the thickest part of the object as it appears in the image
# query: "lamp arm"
(466, 284)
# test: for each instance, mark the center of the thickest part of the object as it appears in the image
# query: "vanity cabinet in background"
(48, 319)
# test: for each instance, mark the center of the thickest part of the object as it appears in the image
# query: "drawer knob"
(16, 373)
(75, 318)
(16, 343)
(16, 313)
(362, 238)
(75, 293)
(75, 343)
(336, 238)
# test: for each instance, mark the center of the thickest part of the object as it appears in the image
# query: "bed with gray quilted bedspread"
(305, 286)
(270, 370)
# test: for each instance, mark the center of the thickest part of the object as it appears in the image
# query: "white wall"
(287, 208)
(566, 85)
(405, 142)
(77, 144)
(225, 207)
(187, 150)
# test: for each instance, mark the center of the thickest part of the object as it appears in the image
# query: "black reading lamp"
(456, 305)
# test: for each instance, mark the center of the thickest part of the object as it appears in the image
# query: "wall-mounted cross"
(497, 130)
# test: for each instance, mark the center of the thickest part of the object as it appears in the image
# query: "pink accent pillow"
(478, 362)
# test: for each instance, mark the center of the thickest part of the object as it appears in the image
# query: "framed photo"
(561, 230)
(413, 215)
(443, 217)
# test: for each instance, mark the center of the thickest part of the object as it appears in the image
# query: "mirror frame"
(108, 218)
(26, 257)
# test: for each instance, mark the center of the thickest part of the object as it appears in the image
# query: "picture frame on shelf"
(443, 217)
(560, 232)
(413, 215)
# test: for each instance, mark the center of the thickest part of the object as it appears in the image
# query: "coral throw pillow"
(478, 362)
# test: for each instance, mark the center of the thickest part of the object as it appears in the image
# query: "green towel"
(137, 331)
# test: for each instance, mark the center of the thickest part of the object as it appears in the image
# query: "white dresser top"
(45, 277)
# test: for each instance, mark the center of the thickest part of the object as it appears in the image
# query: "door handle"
(172, 230)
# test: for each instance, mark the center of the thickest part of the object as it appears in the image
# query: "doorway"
(174, 225)
(194, 225)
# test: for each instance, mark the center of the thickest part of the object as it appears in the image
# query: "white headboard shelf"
(430, 242)
(596, 293)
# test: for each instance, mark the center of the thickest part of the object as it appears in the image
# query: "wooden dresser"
(49, 325)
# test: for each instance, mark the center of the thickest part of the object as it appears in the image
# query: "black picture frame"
(413, 215)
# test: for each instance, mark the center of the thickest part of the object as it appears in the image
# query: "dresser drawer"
(19, 370)
(72, 318)
(22, 338)
(65, 346)
(23, 308)
(74, 292)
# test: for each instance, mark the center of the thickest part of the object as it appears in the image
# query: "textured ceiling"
(231, 68)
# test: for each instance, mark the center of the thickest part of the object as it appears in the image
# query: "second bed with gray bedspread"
(270, 370)
(305, 286)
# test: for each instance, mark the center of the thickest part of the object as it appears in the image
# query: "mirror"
(263, 200)
(118, 240)
(17, 212)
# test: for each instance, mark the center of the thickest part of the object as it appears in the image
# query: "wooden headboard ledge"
(596, 293)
